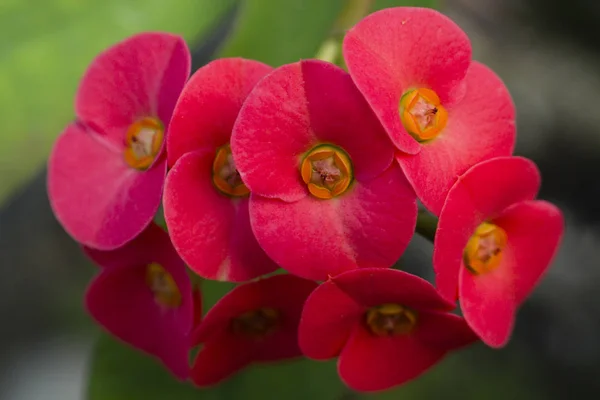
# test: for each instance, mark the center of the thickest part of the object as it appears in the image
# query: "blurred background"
(546, 51)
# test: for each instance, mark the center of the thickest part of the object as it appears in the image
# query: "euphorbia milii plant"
(443, 111)
(494, 243)
(325, 194)
(107, 169)
(143, 296)
(256, 322)
(206, 201)
(386, 326)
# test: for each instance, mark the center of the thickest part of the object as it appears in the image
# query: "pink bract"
(225, 351)
(498, 191)
(98, 198)
(121, 300)
(289, 112)
(210, 229)
(334, 324)
(399, 49)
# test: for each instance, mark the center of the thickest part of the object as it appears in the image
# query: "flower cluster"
(312, 169)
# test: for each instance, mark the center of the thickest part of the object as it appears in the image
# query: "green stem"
(331, 49)
(426, 225)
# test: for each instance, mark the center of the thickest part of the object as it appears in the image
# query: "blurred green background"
(51, 350)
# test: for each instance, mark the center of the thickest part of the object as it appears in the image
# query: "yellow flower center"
(143, 142)
(327, 171)
(391, 320)
(162, 284)
(422, 114)
(484, 249)
(256, 324)
(226, 176)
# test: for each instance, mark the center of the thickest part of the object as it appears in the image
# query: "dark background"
(548, 54)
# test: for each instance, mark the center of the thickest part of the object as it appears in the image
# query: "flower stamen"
(391, 320)
(226, 177)
(256, 324)
(327, 171)
(143, 142)
(483, 252)
(422, 114)
(163, 286)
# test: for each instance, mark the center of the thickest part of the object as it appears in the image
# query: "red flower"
(387, 327)
(494, 243)
(326, 195)
(255, 322)
(442, 111)
(206, 202)
(106, 171)
(143, 296)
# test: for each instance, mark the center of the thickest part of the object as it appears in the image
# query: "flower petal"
(328, 318)
(220, 358)
(445, 331)
(396, 49)
(488, 304)
(370, 226)
(210, 103)
(370, 363)
(211, 231)
(482, 193)
(534, 230)
(141, 76)
(99, 200)
(375, 286)
(480, 126)
(295, 108)
(120, 300)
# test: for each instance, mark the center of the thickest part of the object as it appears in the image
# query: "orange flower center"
(143, 142)
(391, 320)
(226, 176)
(484, 249)
(327, 171)
(256, 324)
(422, 114)
(162, 284)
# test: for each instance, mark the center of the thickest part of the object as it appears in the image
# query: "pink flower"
(387, 327)
(443, 112)
(106, 171)
(326, 195)
(494, 243)
(143, 296)
(255, 322)
(206, 202)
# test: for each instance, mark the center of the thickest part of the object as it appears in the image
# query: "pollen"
(143, 141)
(483, 252)
(327, 171)
(163, 286)
(256, 324)
(226, 177)
(390, 320)
(422, 114)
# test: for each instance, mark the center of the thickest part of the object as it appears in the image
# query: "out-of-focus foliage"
(279, 32)
(44, 50)
(379, 4)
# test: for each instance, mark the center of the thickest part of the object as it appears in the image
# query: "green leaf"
(45, 49)
(379, 4)
(279, 32)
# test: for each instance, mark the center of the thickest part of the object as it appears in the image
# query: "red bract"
(442, 111)
(494, 243)
(255, 322)
(387, 327)
(143, 296)
(326, 196)
(106, 171)
(205, 202)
